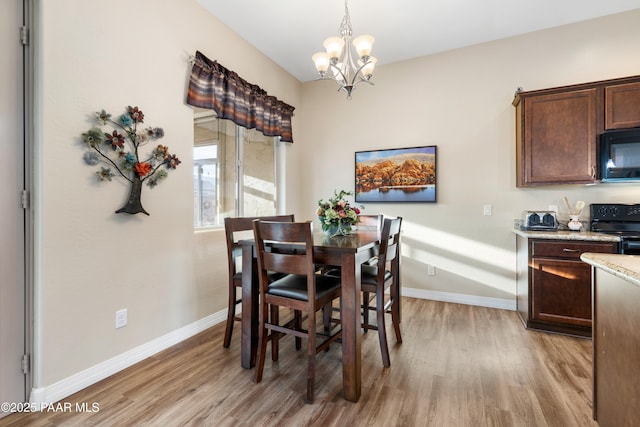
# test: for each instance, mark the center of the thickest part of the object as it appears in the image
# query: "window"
(234, 171)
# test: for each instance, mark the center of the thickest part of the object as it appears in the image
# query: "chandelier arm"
(359, 71)
(344, 77)
(346, 83)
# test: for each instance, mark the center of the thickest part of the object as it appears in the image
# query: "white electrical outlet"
(431, 270)
(488, 210)
(121, 318)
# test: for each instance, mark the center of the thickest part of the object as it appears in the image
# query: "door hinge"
(25, 364)
(24, 35)
(24, 199)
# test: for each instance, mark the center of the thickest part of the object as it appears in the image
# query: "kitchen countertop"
(566, 235)
(626, 267)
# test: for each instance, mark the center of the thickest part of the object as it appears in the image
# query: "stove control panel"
(615, 212)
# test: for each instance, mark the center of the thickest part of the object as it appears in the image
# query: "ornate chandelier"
(340, 64)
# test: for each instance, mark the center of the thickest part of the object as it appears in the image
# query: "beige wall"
(461, 102)
(91, 262)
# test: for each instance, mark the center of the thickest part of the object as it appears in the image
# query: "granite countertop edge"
(626, 267)
(566, 235)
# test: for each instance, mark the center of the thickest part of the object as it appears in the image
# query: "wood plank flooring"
(459, 365)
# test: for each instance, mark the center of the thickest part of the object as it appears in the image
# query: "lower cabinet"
(554, 285)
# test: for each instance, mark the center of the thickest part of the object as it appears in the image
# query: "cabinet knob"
(570, 250)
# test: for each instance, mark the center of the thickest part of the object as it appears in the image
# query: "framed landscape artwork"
(396, 175)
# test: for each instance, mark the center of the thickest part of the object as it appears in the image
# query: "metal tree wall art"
(119, 150)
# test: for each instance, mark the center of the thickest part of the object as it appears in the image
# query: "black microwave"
(620, 155)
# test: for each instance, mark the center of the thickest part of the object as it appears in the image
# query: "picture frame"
(396, 175)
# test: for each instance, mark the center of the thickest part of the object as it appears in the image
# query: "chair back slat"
(233, 225)
(296, 234)
(284, 263)
(372, 222)
(239, 224)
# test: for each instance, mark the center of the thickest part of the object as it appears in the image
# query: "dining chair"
(376, 279)
(370, 222)
(236, 229)
(301, 289)
(367, 222)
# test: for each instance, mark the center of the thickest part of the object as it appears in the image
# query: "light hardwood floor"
(458, 366)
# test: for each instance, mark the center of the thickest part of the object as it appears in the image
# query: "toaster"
(540, 220)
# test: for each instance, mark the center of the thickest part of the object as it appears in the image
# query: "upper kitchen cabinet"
(557, 129)
(556, 137)
(622, 106)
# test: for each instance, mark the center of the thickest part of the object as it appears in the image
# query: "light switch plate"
(121, 318)
(431, 270)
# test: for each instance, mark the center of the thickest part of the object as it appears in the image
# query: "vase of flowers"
(337, 216)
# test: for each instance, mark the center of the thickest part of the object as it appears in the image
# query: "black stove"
(620, 220)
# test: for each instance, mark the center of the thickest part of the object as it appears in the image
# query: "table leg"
(250, 308)
(350, 315)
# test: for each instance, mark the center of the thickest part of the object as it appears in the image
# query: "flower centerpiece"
(119, 149)
(336, 215)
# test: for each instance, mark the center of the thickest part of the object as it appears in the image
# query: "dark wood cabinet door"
(559, 137)
(555, 295)
(622, 106)
(561, 291)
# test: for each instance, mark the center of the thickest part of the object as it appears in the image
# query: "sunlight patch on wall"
(473, 260)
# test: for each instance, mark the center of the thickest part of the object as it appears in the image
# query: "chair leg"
(231, 314)
(382, 331)
(326, 318)
(311, 357)
(297, 315)
(365, 311)
(395, 316)
(275, 338)
(262, 350)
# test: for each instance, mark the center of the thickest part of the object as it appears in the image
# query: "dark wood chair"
(371, 222)
(376, 279)
(302, 290)
(368, 223)
(236, 229)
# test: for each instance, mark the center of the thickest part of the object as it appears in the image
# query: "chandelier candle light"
(338, 62)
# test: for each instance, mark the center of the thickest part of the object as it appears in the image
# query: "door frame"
(28, 57)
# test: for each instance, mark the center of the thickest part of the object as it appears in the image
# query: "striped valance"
(214, 87)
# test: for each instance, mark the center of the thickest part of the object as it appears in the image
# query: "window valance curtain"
(215, 87)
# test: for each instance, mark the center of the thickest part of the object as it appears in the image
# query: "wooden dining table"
(347, 252)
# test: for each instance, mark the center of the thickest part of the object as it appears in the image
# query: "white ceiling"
(290, 31)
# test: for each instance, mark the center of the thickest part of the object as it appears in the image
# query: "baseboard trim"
(501, 303)
(68, 386)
